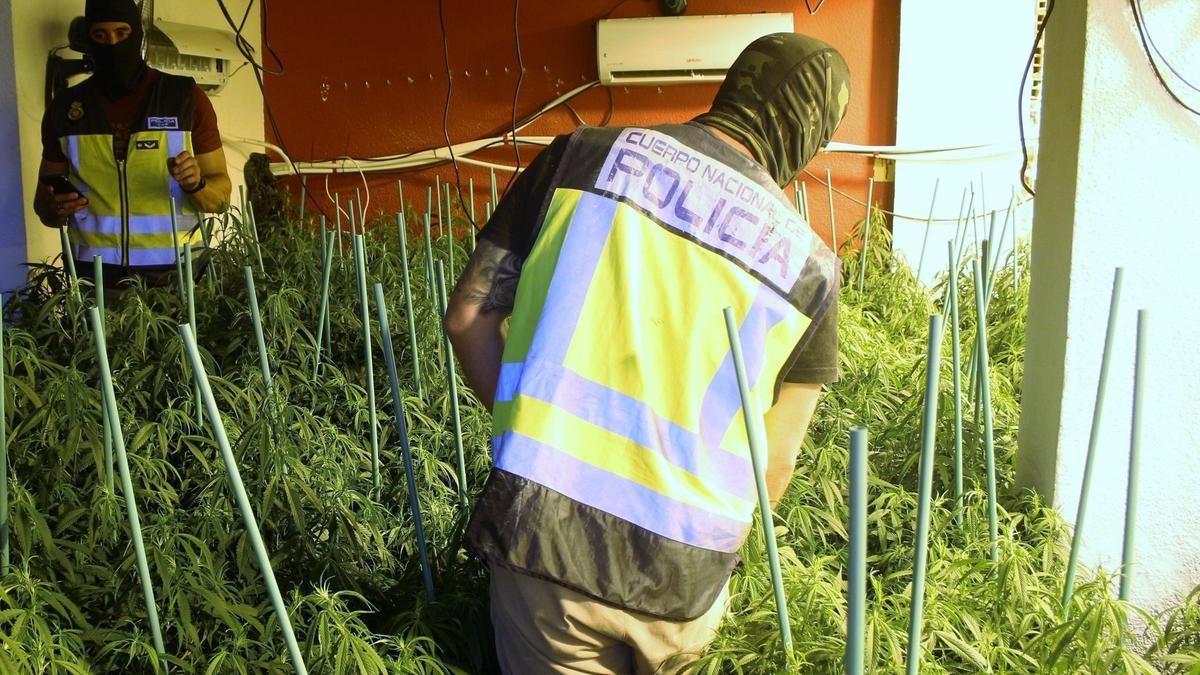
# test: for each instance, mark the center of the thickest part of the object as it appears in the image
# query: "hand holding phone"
(64, 198)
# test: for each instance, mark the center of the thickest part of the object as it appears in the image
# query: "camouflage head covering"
(783, 98)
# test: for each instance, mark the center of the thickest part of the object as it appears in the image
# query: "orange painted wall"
(368, 78)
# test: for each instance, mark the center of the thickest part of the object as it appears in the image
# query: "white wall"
(41, 25)
(12, 222)
(960, 72)
(1116, 188)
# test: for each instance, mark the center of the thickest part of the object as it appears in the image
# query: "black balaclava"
(119, 68)
(783, 98)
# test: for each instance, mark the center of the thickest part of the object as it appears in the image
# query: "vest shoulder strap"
(169, 104)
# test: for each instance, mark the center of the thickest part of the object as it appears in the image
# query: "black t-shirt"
(515, 224)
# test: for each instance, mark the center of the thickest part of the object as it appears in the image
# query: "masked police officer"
(119, 147)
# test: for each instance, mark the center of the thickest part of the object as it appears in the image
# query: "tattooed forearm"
(490, 280)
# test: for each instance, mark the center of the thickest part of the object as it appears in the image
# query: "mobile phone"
(59, 184)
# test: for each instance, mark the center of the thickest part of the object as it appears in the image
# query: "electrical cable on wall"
(516, 90)
(1152, 50)
(446, 115)
(1037, 40)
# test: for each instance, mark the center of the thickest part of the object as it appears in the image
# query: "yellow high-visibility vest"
(617, 416)
(128, 217)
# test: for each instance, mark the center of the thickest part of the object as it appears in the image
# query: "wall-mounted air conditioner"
(184, 41)
(678, 49)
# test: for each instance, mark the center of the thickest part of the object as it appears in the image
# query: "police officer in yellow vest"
(131, 141)
(622, 486)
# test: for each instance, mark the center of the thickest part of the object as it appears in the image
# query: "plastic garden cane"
(360, 265)
(1093, 440)
(956, 368)
(1135, 451)
(452, 381)
(389, 356)
(804, 196)
(796, 197)
(190, 286)
(175, 246)
(928, 222)
(326, 265)
(69, 261)
(985, 401)
(402, 226)
(98, 275)
(361, 208)
(337, 205)
(264, 363)
(495, 194)
(471, 230)
(857, 586)
(254, 233)
(924, 494)
(449, 236)
(832, 219)
(204, 232)
(4, 552)
(135, 525)
(862, 266)
(243, 502)
(437, 187)
(756, 437)
(429, 283)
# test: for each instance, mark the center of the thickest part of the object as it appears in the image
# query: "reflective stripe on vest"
(617, 387)
(146, 208)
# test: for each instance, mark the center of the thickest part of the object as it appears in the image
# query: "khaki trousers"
(542, 627)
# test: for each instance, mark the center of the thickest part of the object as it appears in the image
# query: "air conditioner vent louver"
(678, 49)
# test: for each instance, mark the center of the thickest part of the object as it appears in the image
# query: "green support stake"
(326, 268)
(98, 275)
(204, 232)
(361, 209)
(1093, 441)
(337, 204)
(832, 219)
(175, 245)
(389, 356)
(5, 556)
(862, 267)
(796, 197)
(430, 286)
(264, 363)
(243, 502)
(402, 225)
(1135, 451)
(365, 314)
(473, 228)
(928, 222)
(756, 436)
(352, 210)
(985, 401)
(924, 495)
(441, 218)
(135, 525)
(190, 286)
(995, 264)
(452, 382)
(449, 236)
(804, 196)
(856, 618)
(956, 369)
(495, 194)
(69, 262)
(254, 233)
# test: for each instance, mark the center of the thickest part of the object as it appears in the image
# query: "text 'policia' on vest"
(618, 434)
(128, 217)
